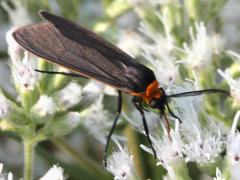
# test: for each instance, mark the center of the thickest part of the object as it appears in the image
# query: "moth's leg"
(62, 73)
(138, 105)
(113, 126)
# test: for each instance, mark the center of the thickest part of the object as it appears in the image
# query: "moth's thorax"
(152, 92)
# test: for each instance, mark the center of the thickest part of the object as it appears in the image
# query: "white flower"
(45, 106)
(166, 21)
(55, 173)
(164, 42)
(4, 107)
(200, 53)
(18, 14)
(70, 95)
(97, 120)
(233, 144)
(187, 108)
(94, 87)
(23, 73)
(233, 148)
(159, 54)
(234, 84)
(120, 164)
(130, 42)
(5, 176)
(167, 149)
(202, 145)
(73, 119)
(166, 71)
(218, 175)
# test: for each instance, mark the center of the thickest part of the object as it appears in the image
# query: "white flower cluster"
(120, 164)
(196, 144)
(70, 95)
(199, 54)
(23, 73)
(159, 53)
(233, 83)
(97, 120)
(191, 140)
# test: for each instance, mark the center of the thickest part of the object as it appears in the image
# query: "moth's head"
(160, 102)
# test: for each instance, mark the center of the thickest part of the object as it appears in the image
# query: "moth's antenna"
(199, 92)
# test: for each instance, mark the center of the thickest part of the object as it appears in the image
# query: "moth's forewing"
(72, 46)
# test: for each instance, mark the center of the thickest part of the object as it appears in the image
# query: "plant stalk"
(29, 146)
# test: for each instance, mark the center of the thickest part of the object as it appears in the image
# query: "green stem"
(133, 145)
(28, 158)
(85, 163)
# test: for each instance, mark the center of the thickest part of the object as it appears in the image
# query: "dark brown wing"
(72, 46)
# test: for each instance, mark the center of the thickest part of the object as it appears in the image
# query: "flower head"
(234, 84)
(199, 143)
(45, 106)
(159, 54)
(55, 173)
(202, 146)
(233, 144)
(200, 52)
(120, 164)
(73, 119)
(98, 120)
(203, 46)
(23, 73)
(233, 148)
(167, 149)
(70, 95)
(130, 42)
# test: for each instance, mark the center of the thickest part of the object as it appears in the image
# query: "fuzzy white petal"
(120, 164)
(45, 106)
(70, 95)
(55, 173)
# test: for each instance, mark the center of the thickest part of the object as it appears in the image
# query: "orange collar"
(152, 92)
